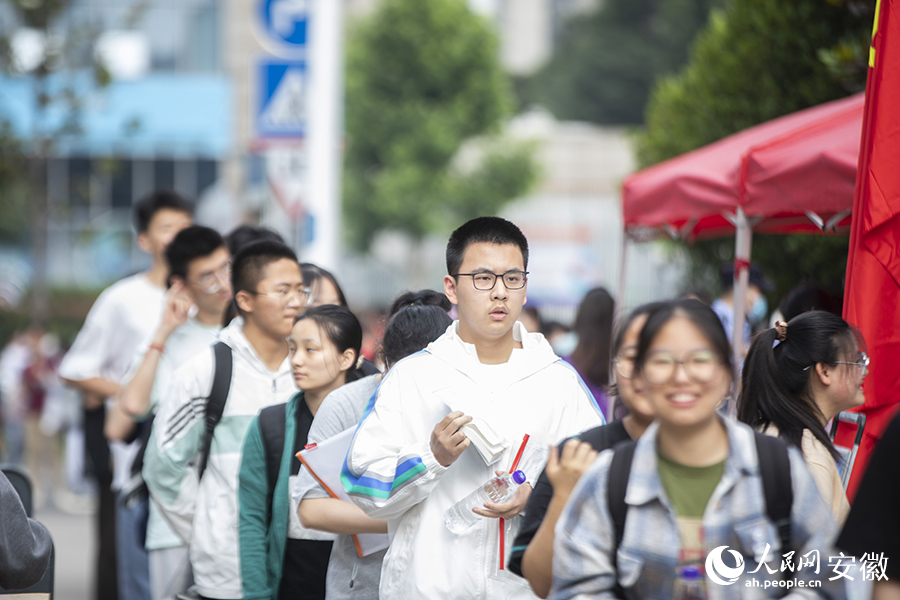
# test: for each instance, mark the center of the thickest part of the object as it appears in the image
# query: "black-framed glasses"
(284, 295)
(624, 366)
(862, 363)
(485, 280)
(700, 366)
(213, 282)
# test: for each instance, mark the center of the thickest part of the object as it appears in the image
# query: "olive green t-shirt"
(689, 490)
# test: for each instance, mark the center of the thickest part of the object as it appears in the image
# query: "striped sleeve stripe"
(410, 469)
(183, 417)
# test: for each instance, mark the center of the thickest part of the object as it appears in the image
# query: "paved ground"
(76, 547)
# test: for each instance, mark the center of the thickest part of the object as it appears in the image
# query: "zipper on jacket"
(274, 386)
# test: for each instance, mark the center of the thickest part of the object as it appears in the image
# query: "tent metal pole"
(619, 310)
(742, 244)
(620, 277)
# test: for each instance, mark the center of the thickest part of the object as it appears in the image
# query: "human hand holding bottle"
(508, 509)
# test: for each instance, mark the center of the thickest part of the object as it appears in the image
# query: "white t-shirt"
(185, 342)
(124, 315)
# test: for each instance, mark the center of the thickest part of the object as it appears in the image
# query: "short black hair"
(242, 235)
(248, 266)
(420, 298)
(492, 230)
(417, 319)
(149, 205)
(806, 297)
(313, 273)
(189, 244)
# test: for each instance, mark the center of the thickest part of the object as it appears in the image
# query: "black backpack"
(774, 467)
(223, 364)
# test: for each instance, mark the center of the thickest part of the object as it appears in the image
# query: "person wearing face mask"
(757, 306)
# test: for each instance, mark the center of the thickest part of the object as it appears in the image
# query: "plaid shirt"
(735, 517)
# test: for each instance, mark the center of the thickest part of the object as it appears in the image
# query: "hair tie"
(359, 361)
(781, 330)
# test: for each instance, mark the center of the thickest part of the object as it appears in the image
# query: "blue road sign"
(283, 25)
(281, 108)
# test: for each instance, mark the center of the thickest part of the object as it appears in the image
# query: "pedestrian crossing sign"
(281, 109)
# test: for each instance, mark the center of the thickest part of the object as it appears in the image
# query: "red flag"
(872, 294)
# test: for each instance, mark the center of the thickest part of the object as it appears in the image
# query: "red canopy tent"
(790, 175)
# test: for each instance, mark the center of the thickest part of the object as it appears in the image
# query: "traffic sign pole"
(326, 67)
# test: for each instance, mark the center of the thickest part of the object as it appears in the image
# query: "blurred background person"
(323, 287)
(591, 356)
(755, 303)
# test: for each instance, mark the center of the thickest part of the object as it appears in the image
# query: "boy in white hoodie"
(410, 458)
(269, 293)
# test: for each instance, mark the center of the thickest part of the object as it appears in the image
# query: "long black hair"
(342, 329)
(776, 379)
(593, 324)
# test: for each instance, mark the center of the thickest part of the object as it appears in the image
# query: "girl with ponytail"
(797, 376)
(280, 558)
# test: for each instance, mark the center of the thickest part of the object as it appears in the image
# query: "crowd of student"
(213, 370)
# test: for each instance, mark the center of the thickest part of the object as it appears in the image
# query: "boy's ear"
(450, 289)
(242, 299)
(143, 242)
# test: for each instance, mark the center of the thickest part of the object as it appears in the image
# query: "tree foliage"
(66, 60)
(606, 62)
(757, 60)
(422, 78)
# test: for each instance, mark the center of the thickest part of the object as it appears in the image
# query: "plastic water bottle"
(460, 517)
(689, 585)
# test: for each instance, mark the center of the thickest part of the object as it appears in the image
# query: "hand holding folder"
(324, 462)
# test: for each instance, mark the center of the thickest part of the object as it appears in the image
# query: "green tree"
(65, 69)
(757, 60)
(606, 62)
(422, 78)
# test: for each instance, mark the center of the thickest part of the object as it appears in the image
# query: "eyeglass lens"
(699, 366)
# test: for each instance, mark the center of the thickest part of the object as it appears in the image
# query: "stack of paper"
(488, 442)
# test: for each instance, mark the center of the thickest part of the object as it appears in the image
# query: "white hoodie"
(205, 513)
(392, 474)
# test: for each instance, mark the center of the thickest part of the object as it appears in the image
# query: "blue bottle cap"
(519, 477)
(690, 573)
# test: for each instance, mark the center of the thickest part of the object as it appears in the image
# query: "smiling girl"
(694, 482)
(279, 557)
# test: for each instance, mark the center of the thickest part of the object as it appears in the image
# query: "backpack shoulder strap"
(272, 421)
(223, 363)
(616, 486)
(775, 471)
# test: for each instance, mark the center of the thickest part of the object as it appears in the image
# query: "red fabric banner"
(872, 294)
